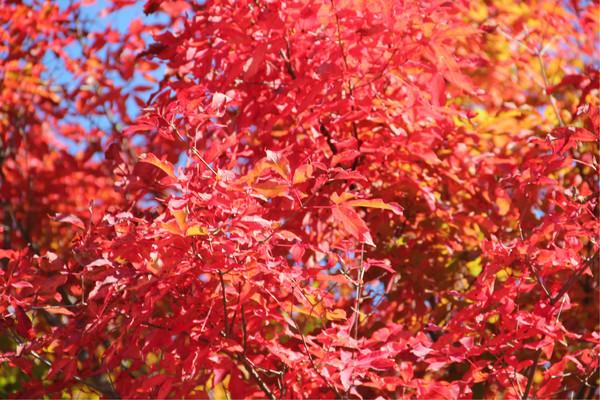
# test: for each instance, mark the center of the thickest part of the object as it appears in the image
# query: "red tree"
(319, 199)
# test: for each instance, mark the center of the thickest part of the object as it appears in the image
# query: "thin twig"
(242, 357)
(546, 86)
(348, 82)
(516, 388)
(193, 149)
(287, 59)
(309, 355)
(224, 299)
(562, 304)
(341, 45)
(538, 54)
(541, 282)
(231, 327)
(553, 301)
(359, 284)
(572, 280)
(108, 392)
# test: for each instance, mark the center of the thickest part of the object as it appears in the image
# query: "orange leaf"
(336, 314)
(196, 230)
(376, 203)
(164, 166)
(302, 174)
(171, 227)
(503, 205)
(180, 218)
(272, 189)
(59, 310)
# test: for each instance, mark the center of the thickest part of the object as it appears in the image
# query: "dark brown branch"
(573, 279)
(252, 370)
(235, 312)
(20, 228)
(244, 333)
(327, 135)
(242, 357)
(531, 373)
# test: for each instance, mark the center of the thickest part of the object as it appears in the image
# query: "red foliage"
(348, 198)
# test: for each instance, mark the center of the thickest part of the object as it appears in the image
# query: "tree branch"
(573, 279)
(553, 301)
(359, 284)
(531, 373)
(238, 356)
(105, 390)
(310, 357)
(224, 300)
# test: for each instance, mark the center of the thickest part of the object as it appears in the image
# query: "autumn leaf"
(186, 199)
(375, 203)
(352, 223)
(164, 166)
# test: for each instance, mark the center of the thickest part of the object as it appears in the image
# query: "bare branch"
(531, 373)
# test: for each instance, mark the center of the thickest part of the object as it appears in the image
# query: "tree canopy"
(312, 199)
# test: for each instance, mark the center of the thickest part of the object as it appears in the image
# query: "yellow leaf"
(538, 377)
(93, 63)
(279, 164)
(493, 319)
(271, 189)
(256, 172)
(221, 392)
(478, 11)
(196, 230)
(83, 392)
(152, 358)
(503, 274)
(338, 199)
(279, 133)
(376, 203)
(302, 174)
(503, 204)
(120, 260)
(475, 266)
(310, 311)
(336, 314)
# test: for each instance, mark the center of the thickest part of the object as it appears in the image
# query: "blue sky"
(94, 21)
